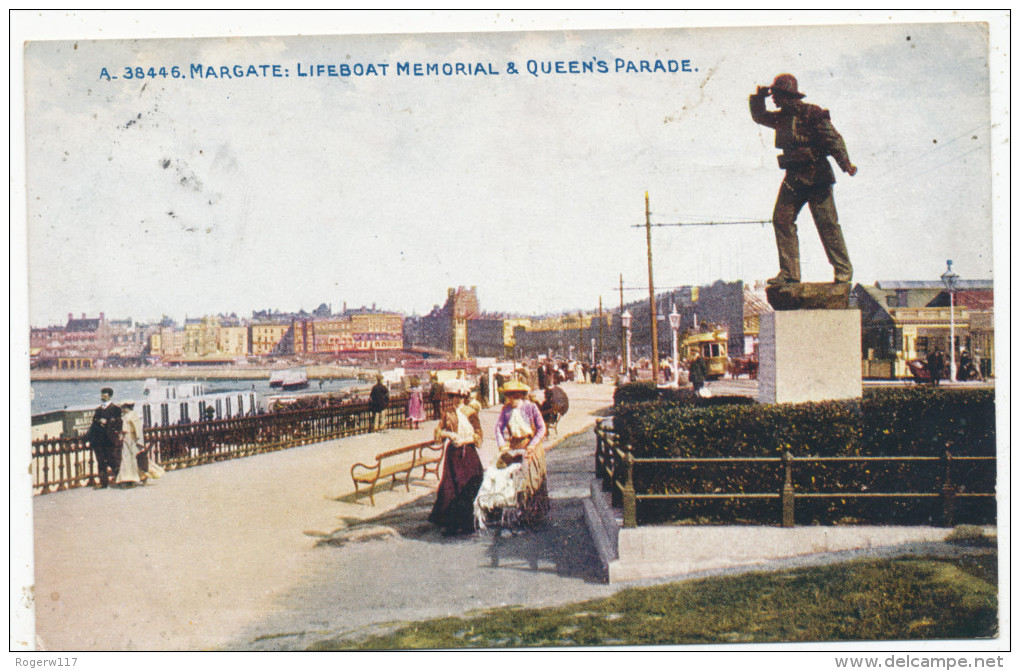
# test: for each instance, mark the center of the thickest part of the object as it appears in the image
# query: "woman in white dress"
(133, 444)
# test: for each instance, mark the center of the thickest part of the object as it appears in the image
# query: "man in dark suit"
(378, 401)
(104, 438)
(936, 363)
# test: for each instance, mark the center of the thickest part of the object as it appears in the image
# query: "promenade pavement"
(274, 552)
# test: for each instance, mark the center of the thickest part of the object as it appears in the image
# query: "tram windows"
(713, 350)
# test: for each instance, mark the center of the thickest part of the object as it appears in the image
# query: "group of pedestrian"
(554, 372)
(417, 396)
(519, 430)
(117, 438)
(937, 367)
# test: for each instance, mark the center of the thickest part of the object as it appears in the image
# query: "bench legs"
(407, 480)
(371, 492)
(408, 474)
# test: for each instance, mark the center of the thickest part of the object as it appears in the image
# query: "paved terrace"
(273, 552)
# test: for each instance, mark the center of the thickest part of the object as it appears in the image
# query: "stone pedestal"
(809, 296)
(809, 355)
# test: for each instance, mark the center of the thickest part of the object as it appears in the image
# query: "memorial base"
(809, 355)
(809, 296)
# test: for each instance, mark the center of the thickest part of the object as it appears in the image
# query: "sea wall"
(190, 373)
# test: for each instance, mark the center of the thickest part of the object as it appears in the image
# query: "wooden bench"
(402, 460)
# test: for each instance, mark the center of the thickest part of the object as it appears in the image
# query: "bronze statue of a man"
(805, 134)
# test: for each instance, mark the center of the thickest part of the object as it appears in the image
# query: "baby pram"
(919, 369)
(513, 494)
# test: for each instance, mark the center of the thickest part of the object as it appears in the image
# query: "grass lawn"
(889, 599)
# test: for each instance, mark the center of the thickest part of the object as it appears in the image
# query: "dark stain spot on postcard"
(183, 174)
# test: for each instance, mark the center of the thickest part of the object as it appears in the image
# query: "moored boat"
(296, 378)
(160, 405)
(276, 378)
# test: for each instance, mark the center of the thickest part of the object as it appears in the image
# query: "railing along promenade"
(615, 466)
(66, 463)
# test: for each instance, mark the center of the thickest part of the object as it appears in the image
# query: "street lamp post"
(625, 319)
(674, 323)
(949, 280)
(593, 351)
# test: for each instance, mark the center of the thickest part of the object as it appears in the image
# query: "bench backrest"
(404, 450)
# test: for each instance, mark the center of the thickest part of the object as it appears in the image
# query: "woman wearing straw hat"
(462, 469)
(132, 443)
(520, 430)
(520, 425)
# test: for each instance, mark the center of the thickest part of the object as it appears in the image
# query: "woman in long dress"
(520, 425)
(453, 511)
(131, 445)
(415, 405)
(520, 431)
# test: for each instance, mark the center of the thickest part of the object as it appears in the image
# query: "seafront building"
(900, 321)
(904, 320)
(355, 332)
(85, 342)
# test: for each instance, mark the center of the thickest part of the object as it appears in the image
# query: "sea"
(50, 395)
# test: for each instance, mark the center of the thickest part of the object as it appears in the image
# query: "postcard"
(183, 193)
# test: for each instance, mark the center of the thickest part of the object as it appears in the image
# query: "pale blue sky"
(188, 197)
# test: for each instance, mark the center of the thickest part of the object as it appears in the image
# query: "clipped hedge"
(885, 422)
(647, 392)
(894, 422)
(635, 392)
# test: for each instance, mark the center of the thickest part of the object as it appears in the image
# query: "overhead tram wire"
(911, 162)
(710, 223)
(936, 167)
(733, 222)
(912, 177)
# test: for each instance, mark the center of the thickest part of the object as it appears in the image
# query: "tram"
(713, 345)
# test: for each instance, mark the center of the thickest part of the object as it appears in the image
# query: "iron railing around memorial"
(952, 481)
(66, 463)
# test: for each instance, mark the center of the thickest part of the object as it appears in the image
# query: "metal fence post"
(45, 475)
(629, 499)
(948, 492)
(787, 494)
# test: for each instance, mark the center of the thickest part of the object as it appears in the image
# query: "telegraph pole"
(580, 334)
(623, 336)
(651, 295)
(601, 350)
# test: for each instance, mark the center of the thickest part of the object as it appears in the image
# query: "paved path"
(272, 552)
